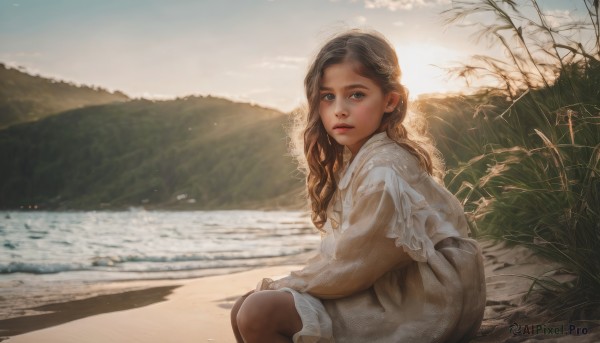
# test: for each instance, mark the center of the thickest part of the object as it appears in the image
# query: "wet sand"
(196, 311)
(59, 313)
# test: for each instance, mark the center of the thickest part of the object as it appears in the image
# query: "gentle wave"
(150, 263)
(40, 268)
(43, 243)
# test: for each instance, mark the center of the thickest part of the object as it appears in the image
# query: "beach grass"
(524, 156)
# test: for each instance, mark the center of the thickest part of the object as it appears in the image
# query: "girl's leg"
(234, 312)
(268, 316)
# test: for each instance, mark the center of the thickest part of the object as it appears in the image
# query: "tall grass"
(526, 153)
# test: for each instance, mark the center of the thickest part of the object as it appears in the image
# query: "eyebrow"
(352, 86)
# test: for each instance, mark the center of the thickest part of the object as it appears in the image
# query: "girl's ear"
(391, 101)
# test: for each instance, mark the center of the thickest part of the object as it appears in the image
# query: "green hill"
(25, 98)
(192, 153)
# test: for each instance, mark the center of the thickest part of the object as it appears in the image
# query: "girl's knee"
(236, 308)
(252, 312)
(238, 303)
(268, 311)
(234, 314)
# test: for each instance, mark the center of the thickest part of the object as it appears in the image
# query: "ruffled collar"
(375, 142)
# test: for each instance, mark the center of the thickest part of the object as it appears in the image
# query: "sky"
(246, 50)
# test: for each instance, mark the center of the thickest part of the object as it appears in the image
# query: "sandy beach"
(197, 310)
(193, 311)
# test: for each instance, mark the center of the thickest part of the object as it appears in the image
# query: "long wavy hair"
(323, 156)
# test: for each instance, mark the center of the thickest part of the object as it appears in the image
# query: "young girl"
(395, 263)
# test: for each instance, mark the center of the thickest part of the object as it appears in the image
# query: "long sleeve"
(364, 250)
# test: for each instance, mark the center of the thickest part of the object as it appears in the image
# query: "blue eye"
(357, 95)
(327, 97)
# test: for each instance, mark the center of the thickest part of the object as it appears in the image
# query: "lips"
(342, 126)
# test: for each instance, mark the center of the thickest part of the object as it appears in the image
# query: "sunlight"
(422, 68)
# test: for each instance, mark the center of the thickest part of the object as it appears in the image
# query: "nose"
(340, 109)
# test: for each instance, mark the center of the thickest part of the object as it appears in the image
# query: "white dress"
(395, 263)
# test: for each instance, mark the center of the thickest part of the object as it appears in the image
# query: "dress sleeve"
(367, 248)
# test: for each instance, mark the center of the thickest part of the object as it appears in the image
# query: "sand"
(198, 310)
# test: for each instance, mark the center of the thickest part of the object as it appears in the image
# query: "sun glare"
(423, 68)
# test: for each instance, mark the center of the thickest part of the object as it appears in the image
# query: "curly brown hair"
(324, 157)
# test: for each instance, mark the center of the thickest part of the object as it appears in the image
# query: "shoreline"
(197, 310)
(21, 295)
(59, 313)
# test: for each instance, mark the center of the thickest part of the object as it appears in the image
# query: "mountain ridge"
(25, 97)
(195, 152)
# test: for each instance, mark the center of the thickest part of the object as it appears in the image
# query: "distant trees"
(24, 97)
(146, 153)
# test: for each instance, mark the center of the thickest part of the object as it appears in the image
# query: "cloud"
(282, 62)
(406, 5)
(291, 59)
(360, 20)
(556, 18)
(20, 54)
(251, 92)
(234, 73)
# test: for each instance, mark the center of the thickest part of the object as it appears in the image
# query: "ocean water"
(55, 257)
(137, 245)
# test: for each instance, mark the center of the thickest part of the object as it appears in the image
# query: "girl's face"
(351, 105)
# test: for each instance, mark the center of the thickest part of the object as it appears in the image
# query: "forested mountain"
(25, 98)
(192, 153)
